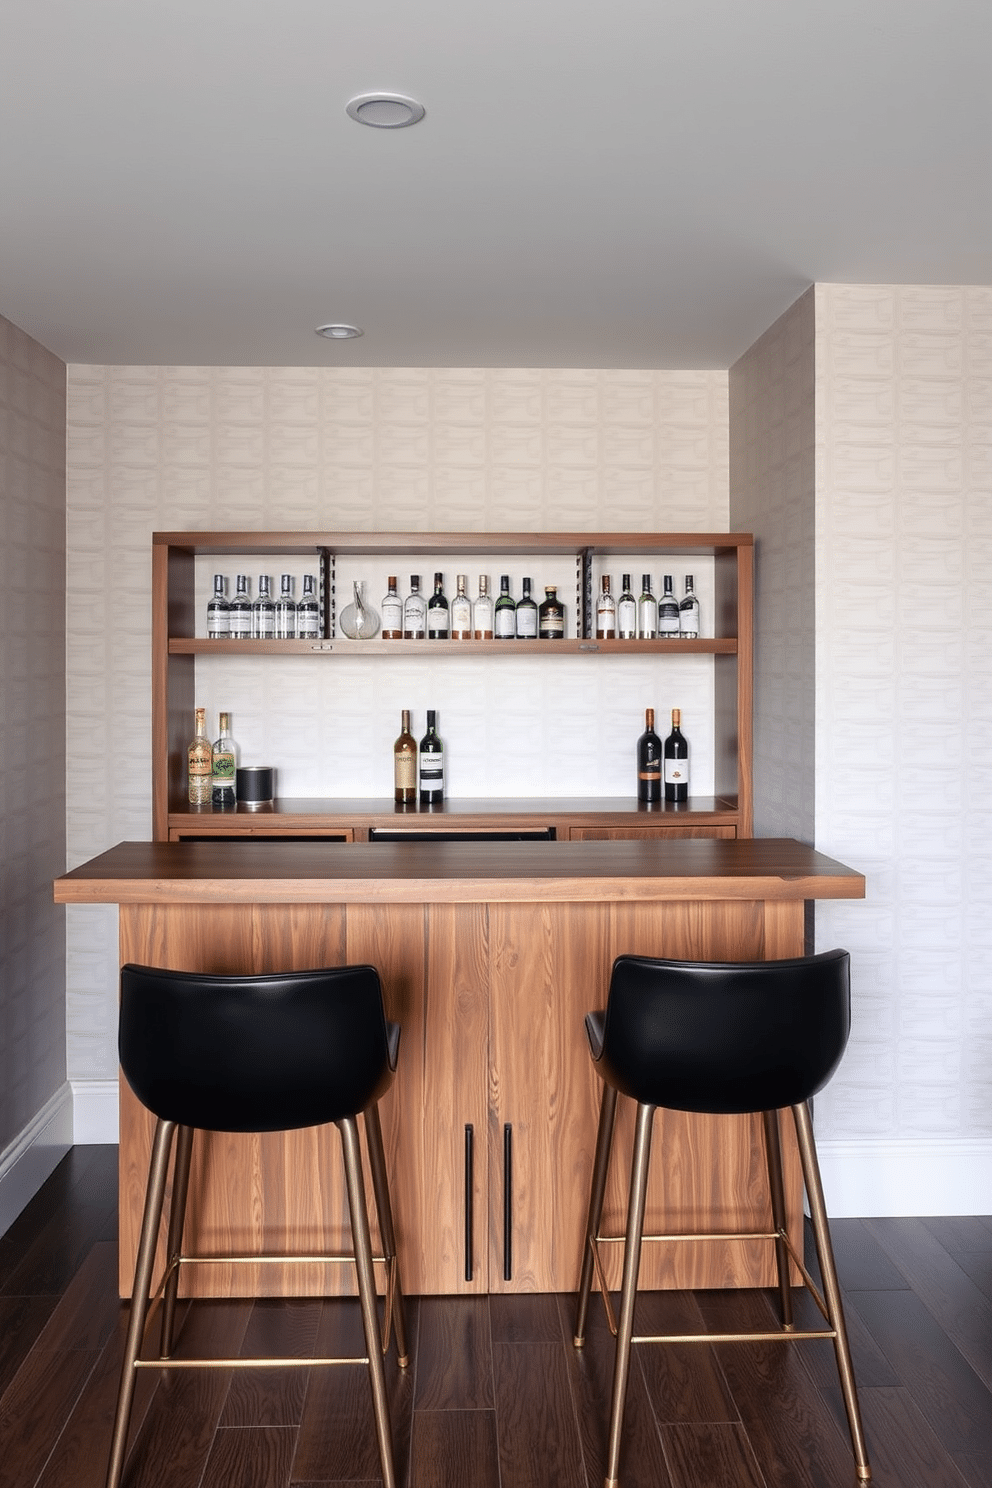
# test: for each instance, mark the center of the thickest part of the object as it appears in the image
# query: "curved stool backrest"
(255, 1053)
(724, 1037)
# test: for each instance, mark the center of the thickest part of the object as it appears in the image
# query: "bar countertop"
(260, 872)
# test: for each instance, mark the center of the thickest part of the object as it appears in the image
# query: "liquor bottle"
(649, 761)
(263, 612)
(438, 614)
(241, 611)
(526, 615)
(286, 611)
(505, 625)
(676, 761)
(414, 612)
(668, 613)
(647, 611)
(405, 763)
(199, 763)
(431, 764)
(308, 611)
(482, 611)
(606, 613)
(627, 612)
(551, 615)
(689, 612)
(461, 612)
(225, 766)
(392, 613)
(218, 612)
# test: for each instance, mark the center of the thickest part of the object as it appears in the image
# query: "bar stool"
(258, 1054)
(719, 1038)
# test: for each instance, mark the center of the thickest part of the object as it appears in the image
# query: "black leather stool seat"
(721, 1038)
(266, 1053)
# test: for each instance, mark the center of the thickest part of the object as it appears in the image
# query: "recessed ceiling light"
(385, 110)
(339, 332)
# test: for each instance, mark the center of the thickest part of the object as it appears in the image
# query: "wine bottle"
(405, 763)
(199, 763)
(431, 764)
(286, 611)
(606, 613)
(263, 612)
(308, 611)
(627, 612)
(668, 612)
(526, 615)
(482, 611)
(647, 611)
(218, 612)
(241, 611)
(224, 769)
(392, 613)
(438, 614)
(689, 611)
(551, 615)
(649, 761)
(414, 612)
(676, 761)
(461, 612)
(505, 627)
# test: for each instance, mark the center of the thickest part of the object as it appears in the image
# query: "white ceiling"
(625, 183)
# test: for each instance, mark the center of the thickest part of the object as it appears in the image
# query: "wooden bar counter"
(490, 955)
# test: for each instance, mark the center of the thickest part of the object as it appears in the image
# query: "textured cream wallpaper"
(175, 448)
(904, 698)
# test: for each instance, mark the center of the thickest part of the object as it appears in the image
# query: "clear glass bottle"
(649, 761)
(676, 761)
(405, 763)
(505, 621)
(286, 611)
(551, 615)
(218, 612)
(668, 612)
(438, 614)
(482, 611)
(359, 621)
(263, 612)
(414, 612)
(240, 617)
(224, 769)
(647, 611)
(689, 626)
(431, 764)
(526, 617)
(199, 763)
(308, 611)
(461, 612)
(392, 612)
(627, 612)
(606, 613)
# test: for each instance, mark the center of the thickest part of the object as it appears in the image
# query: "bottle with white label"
(668, 612)
(461, 612)
(414, 612)
(263, 612)
(647, 611)
(241, 611)
(218, 612)
(627, 612)
(689, 611)
(526, 620)
(308, 611)
(676, 761)
(438, 613)
(286, 611)
(482, 611)
(606, 613)
(505, 626)
(431, 764)
(392, 613)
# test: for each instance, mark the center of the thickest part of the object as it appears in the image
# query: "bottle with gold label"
(199, 763)
(405, 763)
(676, 761)
(225, 766)
(649, 761)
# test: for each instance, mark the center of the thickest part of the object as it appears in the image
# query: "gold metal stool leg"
(776, 1187)
(384, 1209)
(597, 1192)
(628, 1295)
(174, 1244)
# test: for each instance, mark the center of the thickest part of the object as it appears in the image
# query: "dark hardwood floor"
(496, 1396)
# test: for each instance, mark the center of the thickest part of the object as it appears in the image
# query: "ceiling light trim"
(385, 110)
(338, 331)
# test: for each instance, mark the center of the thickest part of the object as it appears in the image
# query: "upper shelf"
(425, 544)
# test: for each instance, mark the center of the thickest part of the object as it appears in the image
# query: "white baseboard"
(95, 1108)
(34, 1155)
(909, 1176)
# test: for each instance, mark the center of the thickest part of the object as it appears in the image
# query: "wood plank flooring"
(496, 1396)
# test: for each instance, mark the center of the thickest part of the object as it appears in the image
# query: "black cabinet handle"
(507, 1203)
(469, 1197)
